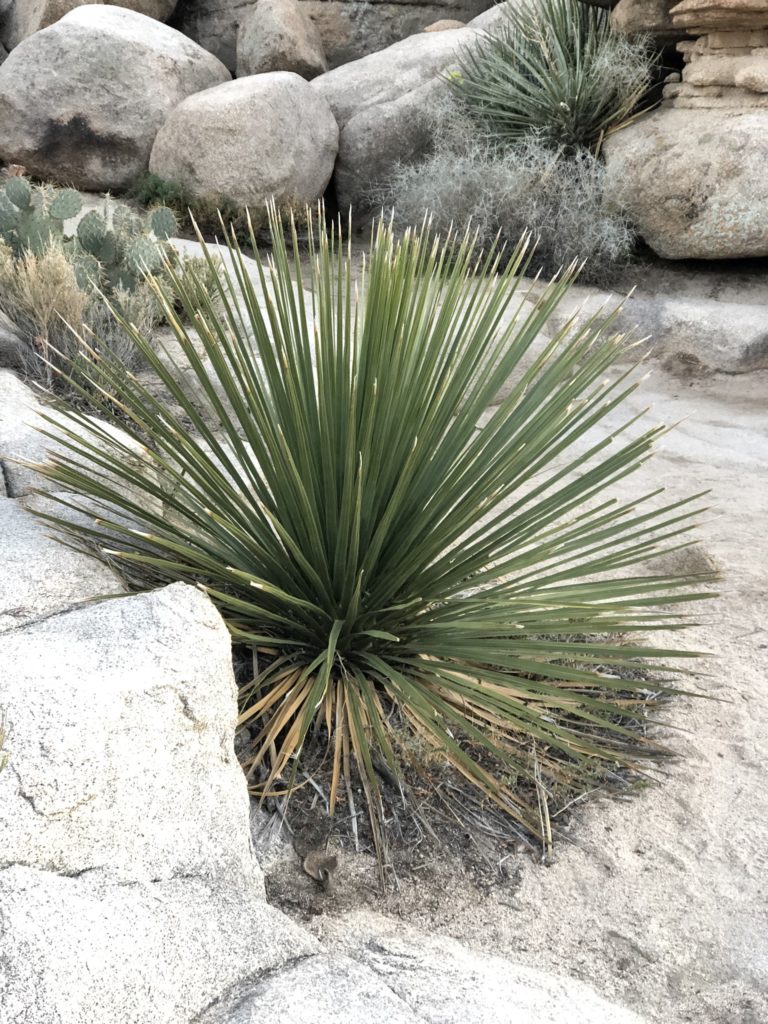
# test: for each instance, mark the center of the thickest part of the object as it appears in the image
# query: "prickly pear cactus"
(111, 249)
(91, 232)
(163, 223)
(126, 245)
(31, 217)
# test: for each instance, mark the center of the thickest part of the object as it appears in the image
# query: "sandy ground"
(660, 903)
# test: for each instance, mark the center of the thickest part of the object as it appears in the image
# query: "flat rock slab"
(40, 576)
(25, 423)
(411, 978)
(114, 709)
(681, 330)
(84, 951)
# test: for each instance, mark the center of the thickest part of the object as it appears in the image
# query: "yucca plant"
(555, 69)
(405, 578)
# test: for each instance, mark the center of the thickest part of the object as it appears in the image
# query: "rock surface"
(124, 817)
(349, 29)
(257, 137)
(694, 182)
(692, 174)
(40, 577)
(398, 975)
(277, 35)
(444, 25)
(383, 104)
(132, 953)
(689, 331)
(24, 443)
(647, 16)
(23, 17)
(123, 705)
(62, 88)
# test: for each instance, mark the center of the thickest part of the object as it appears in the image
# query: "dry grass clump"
(41, 297)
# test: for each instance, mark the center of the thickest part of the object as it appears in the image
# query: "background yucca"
(554, 69)
(396, 569)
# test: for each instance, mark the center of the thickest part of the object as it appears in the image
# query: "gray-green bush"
(507, 191)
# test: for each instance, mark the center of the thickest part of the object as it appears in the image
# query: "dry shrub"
(40, 296)
(507, 191)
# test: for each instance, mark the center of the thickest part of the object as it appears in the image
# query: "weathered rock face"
(647, 16)
(161, 10)
(90, 707)
(694, 181)
(692, 175)
(404, 977)
(349, 29)
(81, 101)
(277, 35)
(41, 577)
(23, 441)
(354, 29)
(256, 137)
(23, 17)
(124, 817)
(693, 322)
(163, 951)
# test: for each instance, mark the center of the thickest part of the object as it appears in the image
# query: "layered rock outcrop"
(727, 66)
(693, 174)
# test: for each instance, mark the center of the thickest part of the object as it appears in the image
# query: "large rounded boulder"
(82, 100)
(251, 139)
(276, 35)
(695, 182)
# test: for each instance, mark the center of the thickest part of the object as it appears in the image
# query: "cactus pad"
(126, 222)
(35, 232)
(66, 204)
(19, 191)
(86, 270)
(91, 232)
(9, 215)
(163, 223)
(143, 256)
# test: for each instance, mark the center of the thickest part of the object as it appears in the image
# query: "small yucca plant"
(555, 69)
(398, 570)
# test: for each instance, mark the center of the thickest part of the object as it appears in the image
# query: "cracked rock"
(41, 577)
(115, 710)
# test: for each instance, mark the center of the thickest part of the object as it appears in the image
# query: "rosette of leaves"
(32, 217)
(556, 70)
(414, 567)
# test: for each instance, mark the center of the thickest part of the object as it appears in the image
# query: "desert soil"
(660, 902)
